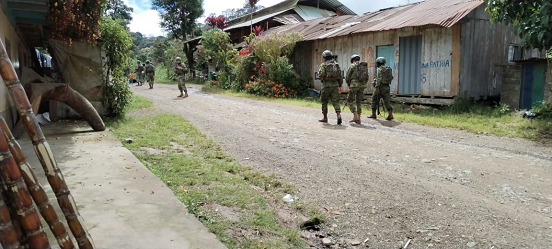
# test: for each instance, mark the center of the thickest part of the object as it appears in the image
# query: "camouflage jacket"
(180, 70)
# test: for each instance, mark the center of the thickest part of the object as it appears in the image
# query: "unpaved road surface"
(386, 182)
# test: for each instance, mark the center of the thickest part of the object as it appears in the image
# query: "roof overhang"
(30, 19)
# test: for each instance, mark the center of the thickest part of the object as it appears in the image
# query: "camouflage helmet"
(355, 57)
(380, 60)
(327, 54)
(138, 61)
(178, 59)
(147, 62)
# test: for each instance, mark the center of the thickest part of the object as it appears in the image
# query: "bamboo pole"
(22, 202)
(43, 152)
(37, 192)
(9, 237)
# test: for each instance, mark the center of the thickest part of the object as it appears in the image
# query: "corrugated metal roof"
(431, 12)
(256, 20)
(333, 4)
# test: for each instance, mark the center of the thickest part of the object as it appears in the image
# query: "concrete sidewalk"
(122, 203)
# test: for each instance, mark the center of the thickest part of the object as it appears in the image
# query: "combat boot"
(355, 118)
(390, 116)
(185, 95)
(339, 120)
(358, 118)
(324, 119)
(181, 95)
(374, 116)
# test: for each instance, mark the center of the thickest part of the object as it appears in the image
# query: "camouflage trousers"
(385, 94)
(150, 77)
(181, 83)
(330, 94)
(141, 77)
(354, 99)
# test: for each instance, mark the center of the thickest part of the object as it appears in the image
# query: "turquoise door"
(532, 90)
(388, 52)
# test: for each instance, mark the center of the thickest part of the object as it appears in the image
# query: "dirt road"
(388, 181)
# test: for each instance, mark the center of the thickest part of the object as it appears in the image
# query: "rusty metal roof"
(431, 12)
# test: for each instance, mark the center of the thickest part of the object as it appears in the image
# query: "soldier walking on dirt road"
(357, 79)
(382, 84)
(330, 75)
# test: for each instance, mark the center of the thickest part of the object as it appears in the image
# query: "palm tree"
(252, 4)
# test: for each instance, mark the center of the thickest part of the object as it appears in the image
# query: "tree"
(116, 9)
(216, 45)
(251, 4)
(178, 17)
(532, 19)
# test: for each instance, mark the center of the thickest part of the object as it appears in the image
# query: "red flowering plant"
(269, 89)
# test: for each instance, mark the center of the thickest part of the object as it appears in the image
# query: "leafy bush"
(117, 43)
(246, 65)
(269, 89)
(501, 110)
(542, 109)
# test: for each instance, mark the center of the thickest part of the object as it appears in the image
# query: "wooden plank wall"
(346, 46)
(436, 56)
(436, 68)
(484, 46)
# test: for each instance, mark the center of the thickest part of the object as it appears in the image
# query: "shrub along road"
(386, 182)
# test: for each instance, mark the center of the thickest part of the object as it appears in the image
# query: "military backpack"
(150, 68)
(333, 71)
(386, 75)
(362, 72)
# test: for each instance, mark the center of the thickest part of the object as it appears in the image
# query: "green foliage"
(542, 109)
(216, 45)
(118, 10)
(269, 48)
(245, 66)
(179, 17)
(502, 109)
(117, 43)
(269, 89)
(532, 19)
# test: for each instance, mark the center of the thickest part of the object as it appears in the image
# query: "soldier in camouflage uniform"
(356, 88)
(180, 72)
(330, 86)
(150, 74)
(139, 73)
(382, 84)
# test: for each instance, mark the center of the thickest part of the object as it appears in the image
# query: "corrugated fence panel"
(436, 66)
(409, 65)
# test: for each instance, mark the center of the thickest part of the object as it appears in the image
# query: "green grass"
(464, 115)
(202, 175)
(137, 102)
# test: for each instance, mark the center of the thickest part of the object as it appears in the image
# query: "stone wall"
(510, 75)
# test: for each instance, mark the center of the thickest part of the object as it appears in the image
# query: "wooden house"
(438, 49)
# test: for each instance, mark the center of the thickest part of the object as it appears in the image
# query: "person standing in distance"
(180, 72)
(150, 74)
(330, 75)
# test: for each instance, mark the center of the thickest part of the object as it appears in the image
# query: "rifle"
(172, 76)
(378, 101)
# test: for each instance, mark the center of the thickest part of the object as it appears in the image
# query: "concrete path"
(122, 203)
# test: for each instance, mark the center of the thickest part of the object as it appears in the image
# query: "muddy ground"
(385, 183)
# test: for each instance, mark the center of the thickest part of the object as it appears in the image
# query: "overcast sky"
(146, 21)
